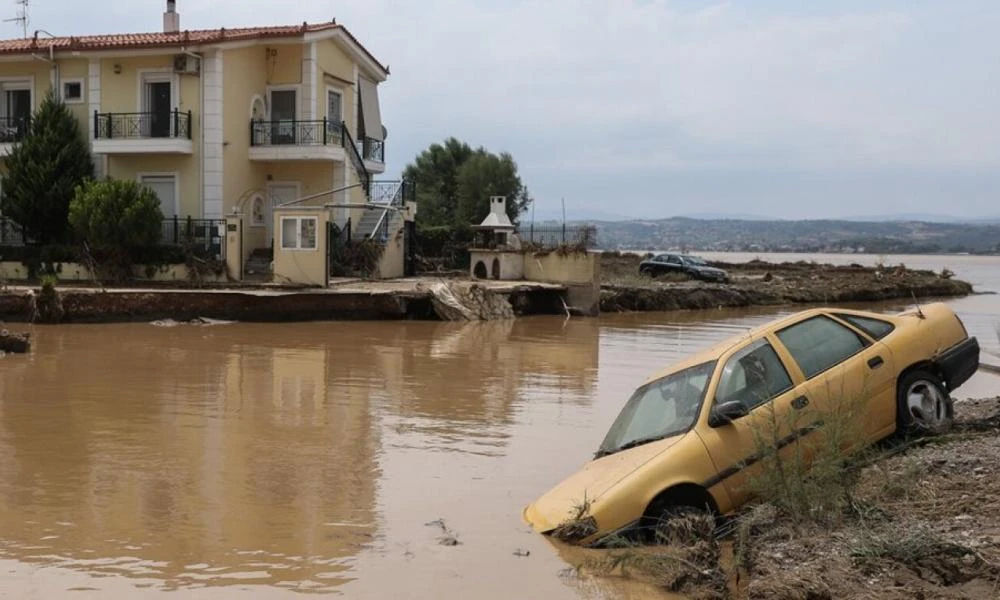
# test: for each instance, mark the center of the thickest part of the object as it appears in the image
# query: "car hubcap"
(926, 404)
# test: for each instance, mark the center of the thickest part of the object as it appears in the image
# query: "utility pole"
(22, 16)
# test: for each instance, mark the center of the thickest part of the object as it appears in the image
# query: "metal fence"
(550, 236)
(11, 234)
(207, 234)
(134, 126)
(289, 132)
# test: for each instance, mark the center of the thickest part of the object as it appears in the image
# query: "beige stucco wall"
(305, 267)
(36, 71)
(244, 74)
(121, 93)
(580, 272)
(130, 166)
(76, 68)
(391, 265)
(575, 267)
(332, 60)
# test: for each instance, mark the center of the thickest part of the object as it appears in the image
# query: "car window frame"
(677, 260)
(660, 258)
(865, 345)
(793, 376)
(844, 317)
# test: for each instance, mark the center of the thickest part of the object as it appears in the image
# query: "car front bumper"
(959, 362)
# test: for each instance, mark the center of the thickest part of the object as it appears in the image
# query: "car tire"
(923, 405)
(647, 272)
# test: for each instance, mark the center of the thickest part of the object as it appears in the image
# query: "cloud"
(643, 91)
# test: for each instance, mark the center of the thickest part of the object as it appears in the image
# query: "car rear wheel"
(923, 405)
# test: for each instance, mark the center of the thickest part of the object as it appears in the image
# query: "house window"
(334, 106)
(72, 91)
(15, 110)
(298, 233)
(284, 111)
(165, 188)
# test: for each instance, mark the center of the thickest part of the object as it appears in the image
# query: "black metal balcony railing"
(208, 234)
(144, 125)
(13, 129)
(287, 132)
(372, 149)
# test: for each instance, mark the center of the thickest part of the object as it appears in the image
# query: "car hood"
(562, 502)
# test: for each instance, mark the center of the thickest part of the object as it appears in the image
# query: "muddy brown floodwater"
(235, 461)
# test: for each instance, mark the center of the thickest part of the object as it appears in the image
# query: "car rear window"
(819, 343)
(877, 328)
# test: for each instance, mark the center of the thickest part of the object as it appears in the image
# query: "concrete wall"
(392, 263)
(580, 272)
(511, 264)
(301, 266)
(69, 271)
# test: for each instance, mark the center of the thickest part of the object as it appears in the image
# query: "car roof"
(719, 349)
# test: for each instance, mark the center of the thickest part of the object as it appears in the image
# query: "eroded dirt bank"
(761, 283)
(928, 526)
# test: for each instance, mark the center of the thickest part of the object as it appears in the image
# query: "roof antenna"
(22, 16)
(920, 313)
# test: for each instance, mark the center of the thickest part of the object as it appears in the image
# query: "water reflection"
(249, 454)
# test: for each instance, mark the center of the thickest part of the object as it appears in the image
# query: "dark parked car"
(692, 266)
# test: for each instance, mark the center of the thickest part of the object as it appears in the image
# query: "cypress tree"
(44, 169)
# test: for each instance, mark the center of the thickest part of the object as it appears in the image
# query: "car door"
(756, 376)
(849, 379)
(674, 264)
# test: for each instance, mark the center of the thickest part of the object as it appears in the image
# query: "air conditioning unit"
(185, 63)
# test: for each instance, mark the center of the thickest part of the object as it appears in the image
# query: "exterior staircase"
(258, 265)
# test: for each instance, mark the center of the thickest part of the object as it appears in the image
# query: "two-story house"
(214, 121)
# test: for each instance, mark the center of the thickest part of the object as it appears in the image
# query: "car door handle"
(800, 403)
(875, 362)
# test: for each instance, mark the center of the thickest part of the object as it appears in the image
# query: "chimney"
(171, 20)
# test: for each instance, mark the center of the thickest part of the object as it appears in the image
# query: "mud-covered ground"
(761, 283)
(930, 527)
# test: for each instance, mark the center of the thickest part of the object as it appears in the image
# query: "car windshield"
(694, 260)
(659, 409)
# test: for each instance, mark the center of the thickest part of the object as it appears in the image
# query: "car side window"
(753, 375)
(819, 343)
(674, 260)
(662, 258)
(877, 328)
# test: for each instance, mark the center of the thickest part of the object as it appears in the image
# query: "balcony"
(297, 140)
(12, 130)
(373, 153)
(143, 133)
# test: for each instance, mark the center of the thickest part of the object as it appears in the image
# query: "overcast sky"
(657, 108)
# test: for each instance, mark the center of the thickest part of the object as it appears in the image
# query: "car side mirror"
(726, 413)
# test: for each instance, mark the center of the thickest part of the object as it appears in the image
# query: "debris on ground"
(14, 343)
(447, 537)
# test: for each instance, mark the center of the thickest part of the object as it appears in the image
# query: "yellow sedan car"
(686, 437)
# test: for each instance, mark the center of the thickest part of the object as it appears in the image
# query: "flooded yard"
(368, 460)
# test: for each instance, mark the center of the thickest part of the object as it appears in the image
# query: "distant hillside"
(800, 236)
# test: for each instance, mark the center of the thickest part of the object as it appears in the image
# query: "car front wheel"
(922, 404)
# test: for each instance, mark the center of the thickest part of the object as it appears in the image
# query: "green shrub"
(116, 213)
(44, 169)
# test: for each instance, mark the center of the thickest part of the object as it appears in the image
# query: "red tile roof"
(131, 41)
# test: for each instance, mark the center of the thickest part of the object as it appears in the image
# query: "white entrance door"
(165, 188)
(277, 194)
